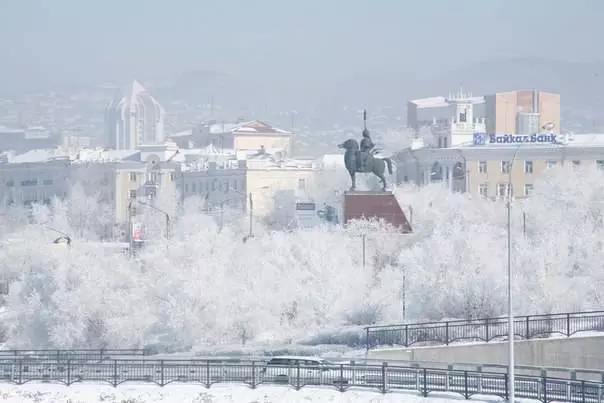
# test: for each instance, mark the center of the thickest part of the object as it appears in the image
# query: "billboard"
(312, 214)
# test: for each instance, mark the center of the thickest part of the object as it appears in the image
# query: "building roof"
(258, 127)
(440, 101)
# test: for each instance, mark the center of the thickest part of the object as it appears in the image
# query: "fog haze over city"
(301, 52)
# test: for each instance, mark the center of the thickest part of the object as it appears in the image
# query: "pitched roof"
(257, 126)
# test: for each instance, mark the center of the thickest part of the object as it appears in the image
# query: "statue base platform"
(367, 205)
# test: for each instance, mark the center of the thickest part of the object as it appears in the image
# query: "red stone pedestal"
(359, 205)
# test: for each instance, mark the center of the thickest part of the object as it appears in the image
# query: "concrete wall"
(576, 352)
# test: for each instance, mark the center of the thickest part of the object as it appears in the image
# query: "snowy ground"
(136, 393)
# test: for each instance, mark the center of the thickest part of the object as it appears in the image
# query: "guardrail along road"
(384, 378)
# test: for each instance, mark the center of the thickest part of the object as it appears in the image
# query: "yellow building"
(242, 136)
(486, 169)
(268, 180)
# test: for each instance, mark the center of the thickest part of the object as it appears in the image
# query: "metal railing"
(485, 330)
(383, 378)
(71, 355)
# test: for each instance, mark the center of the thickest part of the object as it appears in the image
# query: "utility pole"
(364, 240)
(251, 234)
(130, 240)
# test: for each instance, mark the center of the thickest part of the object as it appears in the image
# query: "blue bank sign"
(481, 139)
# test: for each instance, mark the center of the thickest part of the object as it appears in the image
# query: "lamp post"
(511, 369)
(364, 238)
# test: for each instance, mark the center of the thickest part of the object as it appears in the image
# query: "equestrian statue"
(363, 159)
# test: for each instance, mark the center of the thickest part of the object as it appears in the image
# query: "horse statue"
(370, 162)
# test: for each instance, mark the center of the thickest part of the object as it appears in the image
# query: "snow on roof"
(258, 126)
(32, 156)
(439, 102)
(103, 155)
(183, 133)
(584, 139)
(274, 163)
(433, 102)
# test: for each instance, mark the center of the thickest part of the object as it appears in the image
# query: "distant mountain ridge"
(579, 84)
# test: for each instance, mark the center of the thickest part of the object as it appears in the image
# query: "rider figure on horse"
(366, 148)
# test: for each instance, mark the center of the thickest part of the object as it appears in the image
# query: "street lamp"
(511, 333)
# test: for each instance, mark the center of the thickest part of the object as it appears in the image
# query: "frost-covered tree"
(205, 287)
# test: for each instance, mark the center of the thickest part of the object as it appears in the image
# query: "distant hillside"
(579, 84)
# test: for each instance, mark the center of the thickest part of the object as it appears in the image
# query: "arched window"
(459, 171)
(436, 173)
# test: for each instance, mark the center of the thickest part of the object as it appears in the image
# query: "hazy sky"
(90, 40)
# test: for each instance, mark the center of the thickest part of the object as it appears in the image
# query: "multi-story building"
(219, 183)
(234, 137)
(485, 169)
(133, 120)
(439, 111)
(272, 180)
(31, 181)
(522, 112)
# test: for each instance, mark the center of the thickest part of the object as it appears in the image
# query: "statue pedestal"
(359, 205)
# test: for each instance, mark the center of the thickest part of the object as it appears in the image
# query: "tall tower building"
(134, 119)
(522, 112)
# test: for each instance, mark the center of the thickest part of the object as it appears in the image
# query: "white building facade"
(134, 120)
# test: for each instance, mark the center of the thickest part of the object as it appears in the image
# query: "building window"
(193, 187)
(301, 184)
(528, 189)
(132, 176)
(551, 163)
(528, 167)
(576, 163)
(502, 190)
(482, 167)
(10, 183)
(47, 182)
(186, 188)
(484, 190)
(600, 165)
(505, 167)
(436, 174)
(172, 176)
(463, 116)
(132, 194)
(234, 184)
(30, 182)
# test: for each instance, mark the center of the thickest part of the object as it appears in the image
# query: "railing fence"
(384, 378)
(485, 330)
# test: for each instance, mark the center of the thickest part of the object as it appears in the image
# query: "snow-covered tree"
(204, 286)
